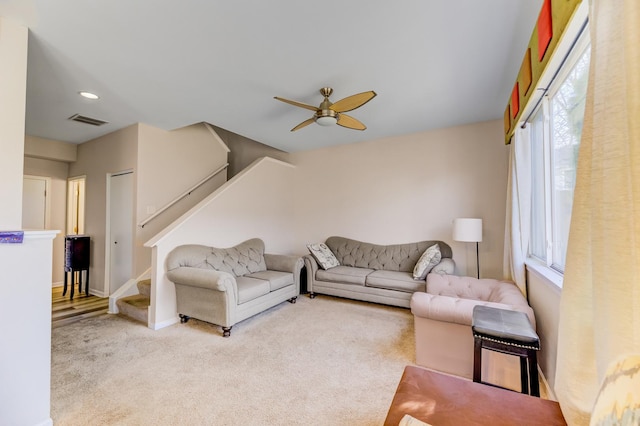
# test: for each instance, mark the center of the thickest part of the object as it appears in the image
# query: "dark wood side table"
(442, 400)
(508, 332)
(76, 259)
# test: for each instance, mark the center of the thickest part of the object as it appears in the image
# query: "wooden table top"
(440, 400)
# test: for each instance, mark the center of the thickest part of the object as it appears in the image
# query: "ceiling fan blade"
(352, 102)
(345, 120)
(303, 124)
(298, 104)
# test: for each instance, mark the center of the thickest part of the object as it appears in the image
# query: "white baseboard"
(549, 392)
(48, 422)
(97, 293)
(163, 324)
(57, 284)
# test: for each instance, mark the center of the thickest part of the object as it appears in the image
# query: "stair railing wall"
(183, 195)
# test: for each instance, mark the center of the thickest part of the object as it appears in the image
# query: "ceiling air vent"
(87, 120)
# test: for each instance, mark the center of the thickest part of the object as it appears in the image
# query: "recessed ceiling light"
(89, 95)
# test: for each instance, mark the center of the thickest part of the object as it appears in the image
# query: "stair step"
(144, 287)
(136, 307)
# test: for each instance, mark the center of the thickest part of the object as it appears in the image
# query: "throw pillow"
(323, 255)
(430, 258)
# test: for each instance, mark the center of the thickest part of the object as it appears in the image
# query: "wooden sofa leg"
(293, 299)
(312, 295)
(183, 318)
(226, 331)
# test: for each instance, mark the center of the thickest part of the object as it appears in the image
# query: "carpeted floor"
(326, 361)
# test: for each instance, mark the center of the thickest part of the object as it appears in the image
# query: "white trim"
(45, 234)
(545, 272)
(70, 203)
(47, 197)
(550, 394)
(163, 324)
(97, 293)
(47, 422)
(127, 289)
(107, 239)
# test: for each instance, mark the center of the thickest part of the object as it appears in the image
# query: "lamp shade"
(467, 229)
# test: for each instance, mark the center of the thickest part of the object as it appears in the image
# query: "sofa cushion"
(245, 258)
(323, 255)
(430, 258)
(393, 280)
(446, 266)
(344, 274)
(462, 287)
(395, 257)
(276, 279)
(251, 288)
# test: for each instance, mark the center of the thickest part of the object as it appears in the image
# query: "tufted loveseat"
(227, 285)
(374, 273)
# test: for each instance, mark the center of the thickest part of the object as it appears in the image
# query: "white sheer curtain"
(600, 303)
(518, 217)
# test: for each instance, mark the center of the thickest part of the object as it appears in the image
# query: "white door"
(120, 229)
(34, 202)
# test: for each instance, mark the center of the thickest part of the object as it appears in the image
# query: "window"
(556, 128)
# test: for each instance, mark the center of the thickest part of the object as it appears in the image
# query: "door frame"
(107, 236)
(80, 208)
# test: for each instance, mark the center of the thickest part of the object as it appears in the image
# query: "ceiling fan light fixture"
(326, 121)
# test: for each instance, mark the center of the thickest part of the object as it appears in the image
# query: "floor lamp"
(469, 230)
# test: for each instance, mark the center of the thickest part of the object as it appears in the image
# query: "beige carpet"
(326, 361)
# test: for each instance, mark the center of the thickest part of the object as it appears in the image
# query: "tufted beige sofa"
(227, 285)
(442, 318)
(374, 273)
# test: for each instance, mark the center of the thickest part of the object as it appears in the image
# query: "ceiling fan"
(328, 114)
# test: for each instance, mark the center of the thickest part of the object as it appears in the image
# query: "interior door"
(120, 229)
(34, 202)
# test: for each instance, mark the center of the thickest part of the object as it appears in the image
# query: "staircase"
(137, 306)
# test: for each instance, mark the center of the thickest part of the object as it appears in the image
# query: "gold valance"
(554, 17)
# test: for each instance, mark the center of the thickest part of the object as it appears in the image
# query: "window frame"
(575, 51)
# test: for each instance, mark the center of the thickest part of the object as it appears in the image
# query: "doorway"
(75, 205)
(119, 230)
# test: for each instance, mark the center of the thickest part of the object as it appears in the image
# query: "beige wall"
(13, 90)
(408, 188)
(169, 163)
(544, 298)
(111, 153)
(245, 151)
(50, 149)
(58, 172)
(25, 358)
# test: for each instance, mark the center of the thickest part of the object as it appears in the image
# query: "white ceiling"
(172, 63)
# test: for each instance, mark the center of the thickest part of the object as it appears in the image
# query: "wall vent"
(87, 120)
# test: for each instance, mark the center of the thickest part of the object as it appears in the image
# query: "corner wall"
(169, 163)
(244, 151)
(13, 87)
(111, 153)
